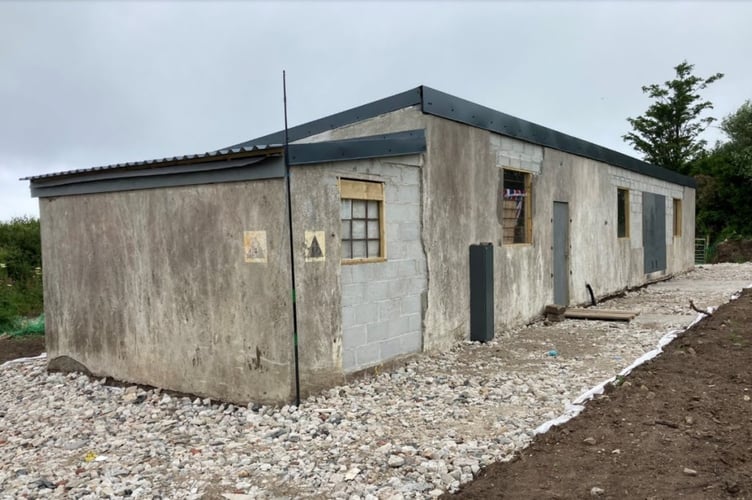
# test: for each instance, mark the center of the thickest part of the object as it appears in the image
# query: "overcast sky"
(93, 83)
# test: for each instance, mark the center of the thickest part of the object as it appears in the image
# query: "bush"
(20, 271)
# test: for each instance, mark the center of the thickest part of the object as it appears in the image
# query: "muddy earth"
(20, 347)
(733, 251)
(679, 426)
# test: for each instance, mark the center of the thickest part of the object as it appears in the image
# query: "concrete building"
(176, 272)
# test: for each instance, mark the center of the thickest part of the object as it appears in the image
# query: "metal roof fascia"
(259, 150)
(412, 97)
(271, 169)
(453, 108)
(106, 174)
(359, 148)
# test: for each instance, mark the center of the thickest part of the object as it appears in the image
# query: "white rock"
(352, 474)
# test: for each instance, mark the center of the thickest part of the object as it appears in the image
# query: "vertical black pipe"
(292, 250)
(592, 295)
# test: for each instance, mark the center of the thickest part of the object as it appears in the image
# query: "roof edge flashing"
(447, 106)
(269, 167)
(226, 154)
(412, 97)
(408, 142)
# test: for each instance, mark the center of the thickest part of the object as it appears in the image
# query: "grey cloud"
(91, 83)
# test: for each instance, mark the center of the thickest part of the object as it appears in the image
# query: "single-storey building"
(176, 272)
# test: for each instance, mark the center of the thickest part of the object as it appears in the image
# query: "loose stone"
(417, 431)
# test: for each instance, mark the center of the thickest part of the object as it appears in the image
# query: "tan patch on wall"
(315, 246)
(254, 247)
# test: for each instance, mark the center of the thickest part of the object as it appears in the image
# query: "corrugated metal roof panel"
(155, 162)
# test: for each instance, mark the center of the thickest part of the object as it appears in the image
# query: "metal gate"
(654, 232)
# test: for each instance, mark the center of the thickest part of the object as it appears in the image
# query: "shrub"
(20, 271)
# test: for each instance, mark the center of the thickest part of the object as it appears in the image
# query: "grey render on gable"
(158, 246)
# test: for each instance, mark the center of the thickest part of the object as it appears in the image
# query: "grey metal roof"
(437, 103)
(432, 102)
(402, 100)
(221, 169)
(211, 155)
(228, 165)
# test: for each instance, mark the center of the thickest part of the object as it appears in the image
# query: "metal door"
(561, 253)
(654, 232)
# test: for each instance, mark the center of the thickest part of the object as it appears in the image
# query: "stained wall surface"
(462, 179)
(179, 287)
(156, 287)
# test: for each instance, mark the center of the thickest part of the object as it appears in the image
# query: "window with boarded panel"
(677, 217)
(517, 224)
(362, 217)
(622, 213)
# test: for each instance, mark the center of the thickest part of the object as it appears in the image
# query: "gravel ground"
(414, 432)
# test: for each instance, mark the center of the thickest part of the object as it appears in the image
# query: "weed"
(20, 272)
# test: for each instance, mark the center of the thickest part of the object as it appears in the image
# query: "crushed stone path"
(413, 432)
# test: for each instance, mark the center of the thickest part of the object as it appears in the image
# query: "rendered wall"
(462, 180)
(153, 287)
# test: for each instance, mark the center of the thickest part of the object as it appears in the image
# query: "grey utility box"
(481, 292)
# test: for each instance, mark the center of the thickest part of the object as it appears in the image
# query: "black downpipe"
(292, 250)
(592, 295)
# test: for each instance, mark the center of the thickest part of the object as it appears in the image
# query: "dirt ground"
(20, 347)
(733, 251)
(680, 426)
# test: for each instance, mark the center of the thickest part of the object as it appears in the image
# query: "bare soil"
(733, 251)
(680, 426)
(20, 347)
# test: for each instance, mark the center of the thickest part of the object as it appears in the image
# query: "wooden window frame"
(626, 213)
(527, 205)
(368, 190)
(677, 217)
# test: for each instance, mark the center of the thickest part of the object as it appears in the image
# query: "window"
(677, 217)
(517, 217)
(362, 215)
(622, 216)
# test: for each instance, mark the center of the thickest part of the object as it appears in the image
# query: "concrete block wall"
(382, 301)
(515, 154)
(638, 184)
(680, 249)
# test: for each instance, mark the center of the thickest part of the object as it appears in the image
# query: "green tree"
(724, 180)
(668, 134)
(738, 127)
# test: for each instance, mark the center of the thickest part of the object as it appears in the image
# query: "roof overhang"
(209, 167)
(443, 105)
(178, 172)
(231, 165)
